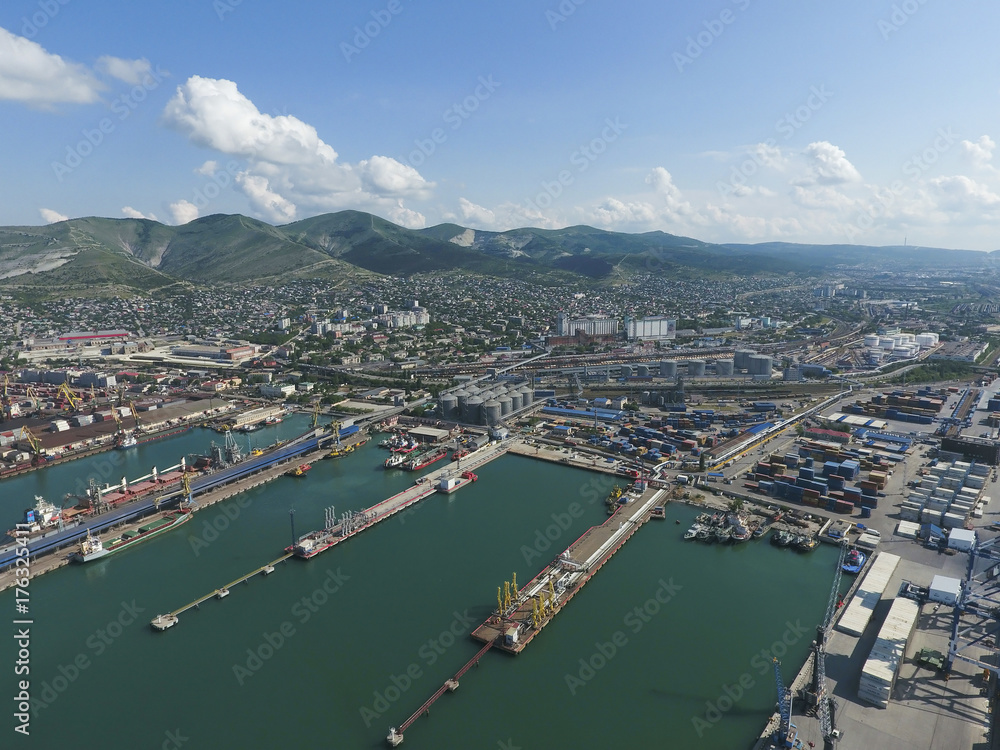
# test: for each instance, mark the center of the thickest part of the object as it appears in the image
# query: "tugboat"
(854, 561)
(781, 538)
(221, 593)
(705, 534)
(298, 471)
(659, 512)
(806, 544)
(692, 532)
(394, 461)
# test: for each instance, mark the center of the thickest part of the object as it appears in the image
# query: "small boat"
(268, 569)
(395, 460)
(854, 561)
(758, 531)
(780, 538)
(162, 622)
(692, 532)
(705, 534)
(703, 518)
(221, 593)
(659, 512)
(298, 471)
(740, 534)
(806, 544)
(723, 534)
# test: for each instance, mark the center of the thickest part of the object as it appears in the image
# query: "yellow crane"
(32, 440)
(135, 414)
(315, 416)
(74, 402)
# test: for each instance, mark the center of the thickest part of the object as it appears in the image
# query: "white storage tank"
(741, 358)
(761, 364)
(724, 368)
(668, 368)
(696, 368)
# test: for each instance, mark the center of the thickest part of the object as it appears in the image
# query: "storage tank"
(872, 340)
(626, 371)
(472, 412)
(449, 406)
(724, 368)
(527, 396)
(492, 412)
(668, 369)
(463, 399)
(696, 368)
(506, 405)
(515, 401)
(741, 358)
(642, 371)
(760, 364)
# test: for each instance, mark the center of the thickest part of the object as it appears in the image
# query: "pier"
(545, 595)
(162, 622)
(395, 737)
(425, 486)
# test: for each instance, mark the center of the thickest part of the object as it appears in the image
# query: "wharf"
(564, 577)
(570, 456)
(426, 486)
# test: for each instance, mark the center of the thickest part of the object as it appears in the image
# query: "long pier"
(426, 486)
(450, 686)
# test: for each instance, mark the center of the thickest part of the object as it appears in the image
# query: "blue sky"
(730, 121)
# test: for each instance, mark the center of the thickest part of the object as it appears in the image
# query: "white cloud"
(183, 211)
(34, 76)
(289, 168)
(407, 217)
(979, 152)
(959, 192)
(51, 217)
(207, 169)
(267, 202)
(134, 213)
(828, 165)
(505, 216)
(129, 71)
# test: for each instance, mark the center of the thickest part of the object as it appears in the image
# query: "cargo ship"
(92, 548)
(37, 520)
(423, 461)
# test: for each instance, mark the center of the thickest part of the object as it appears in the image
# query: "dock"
(553, 588)
(425, 486)
(162, 622)
(395, 737)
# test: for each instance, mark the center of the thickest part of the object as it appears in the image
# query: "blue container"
(809, 462)
(807, 472)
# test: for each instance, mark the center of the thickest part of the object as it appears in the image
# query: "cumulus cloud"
(30, 74)
(979, 152)
(183, 211)
(51, 217)
(207, 169)
(407, 217)
(129, 71)
(134, 213)
(961, 192)
(828, 165)
(289, 168)
(506, 216)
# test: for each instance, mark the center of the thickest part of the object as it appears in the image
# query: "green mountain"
(118, 256)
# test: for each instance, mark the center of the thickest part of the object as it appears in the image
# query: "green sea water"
(669, 645)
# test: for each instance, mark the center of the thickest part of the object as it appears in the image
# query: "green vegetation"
(937, 370)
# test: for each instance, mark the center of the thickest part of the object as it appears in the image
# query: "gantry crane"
(788, 734)
(818, 696)
(74, 401)
(135, 414)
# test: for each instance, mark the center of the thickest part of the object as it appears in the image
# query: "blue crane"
(787, 732)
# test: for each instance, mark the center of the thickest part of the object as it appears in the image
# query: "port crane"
(788, 734)
(74, 401)
(817, 696)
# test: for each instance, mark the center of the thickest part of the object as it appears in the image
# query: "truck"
(683, 479)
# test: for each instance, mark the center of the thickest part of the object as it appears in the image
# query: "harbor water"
(670, 644)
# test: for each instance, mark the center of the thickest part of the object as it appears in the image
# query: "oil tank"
(696, 368)
(760, 364)
(626, 371)
(724, 368)
(741, 358)
(449, 406)
(642, 371)
(506, 405)
(472, 413)
(492, 412)
(668, 369)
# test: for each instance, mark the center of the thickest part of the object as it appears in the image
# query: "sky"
(862, 121)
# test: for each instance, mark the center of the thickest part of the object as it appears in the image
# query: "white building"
(592, 325)
(650, 328)
(276, 390)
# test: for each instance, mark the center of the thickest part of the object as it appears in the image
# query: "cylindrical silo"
(463, 399)
(527, 396)
(741, 358)
(668, 369)
(626, 371)
(760, 364)
(642, 370)
(515, 401)
(449, 406)
(473, 409)
(644, 398)
(491, 412)
(696, 368)
(724, 368)
(506, 405)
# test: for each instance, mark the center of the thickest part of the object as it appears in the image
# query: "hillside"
(118, 256)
